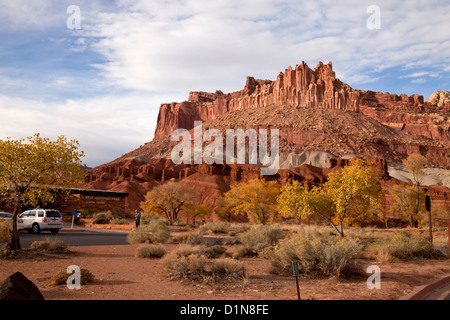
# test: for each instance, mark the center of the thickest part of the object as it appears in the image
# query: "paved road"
(77, 238)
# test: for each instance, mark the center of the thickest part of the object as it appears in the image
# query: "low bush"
(404, 246)
(257, 239)
(228, 269)
(190, 263)
(181, 266)
(103, 217)
(62, 276)
(319, 254)
(156, 231)
(119, 221)
(150, 251)
(216, 227)
(189, 238)
(54, 246)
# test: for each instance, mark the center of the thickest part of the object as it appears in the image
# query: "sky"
(97, 71)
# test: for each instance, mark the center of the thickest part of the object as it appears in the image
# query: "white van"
(37, 220)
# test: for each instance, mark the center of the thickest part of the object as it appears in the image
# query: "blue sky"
(103, 84)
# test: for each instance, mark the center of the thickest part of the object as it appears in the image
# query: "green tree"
(32, 170)
(169, 199)
(257, 198)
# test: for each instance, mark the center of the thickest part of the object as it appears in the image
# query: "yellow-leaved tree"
(343, 197)
(415, 164)
(404, 203)
(33, 170)
(169, 199)
(257, 198)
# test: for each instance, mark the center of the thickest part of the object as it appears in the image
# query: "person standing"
(137, 218)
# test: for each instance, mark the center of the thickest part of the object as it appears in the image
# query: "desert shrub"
(120, 221)
(213, 251)
(190, 263)
(320, 254)
(103, 217)
(61, 277)
(405, 246)
(150, 251)
(55, 246)
(156, 231)
(243, 251)
(189, 238)
(5, 230)
(228, 269)
(260, 237)
(182, 266)
(215, 227)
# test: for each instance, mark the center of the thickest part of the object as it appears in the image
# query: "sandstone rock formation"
(302, 87)
(439, 98)
(322, 122)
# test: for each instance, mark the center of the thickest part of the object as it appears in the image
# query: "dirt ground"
(119, 275)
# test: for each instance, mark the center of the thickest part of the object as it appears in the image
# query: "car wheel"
(54, 231)
(35, 229)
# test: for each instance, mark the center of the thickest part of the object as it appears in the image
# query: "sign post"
(428, 207)
(296, 273)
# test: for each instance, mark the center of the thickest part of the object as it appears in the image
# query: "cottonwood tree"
(404, 203)
(199, 211)
(415, 164)
(33, 170)
(169, 200)
(224, 209)
(257, 198)
(345, 194)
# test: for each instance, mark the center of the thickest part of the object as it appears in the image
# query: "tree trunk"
(14, 243)
(416, 206)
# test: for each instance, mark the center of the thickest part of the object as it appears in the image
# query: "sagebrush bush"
(156, 231)
(405, 246)
(260, 237)
(228, 269)
(150, 251)
(55, 246)
(103, 217)
(189, 238)
(61, 277)
(320, 254)
(216, 227)
(181, 266)
(190, 262)
(119, 221)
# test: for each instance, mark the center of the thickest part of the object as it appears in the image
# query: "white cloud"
(188, 45)
(104, 126)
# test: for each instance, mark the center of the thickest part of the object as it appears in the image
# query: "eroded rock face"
(439, 98)
(298, 87)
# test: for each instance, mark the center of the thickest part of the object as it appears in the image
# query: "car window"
(24, 214)
(32, 214)
(53, 214)
(40, 214)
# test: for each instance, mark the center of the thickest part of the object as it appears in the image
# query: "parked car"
(5, 216)
(37, 220)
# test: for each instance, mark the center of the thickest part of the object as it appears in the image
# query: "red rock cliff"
(298, 87)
